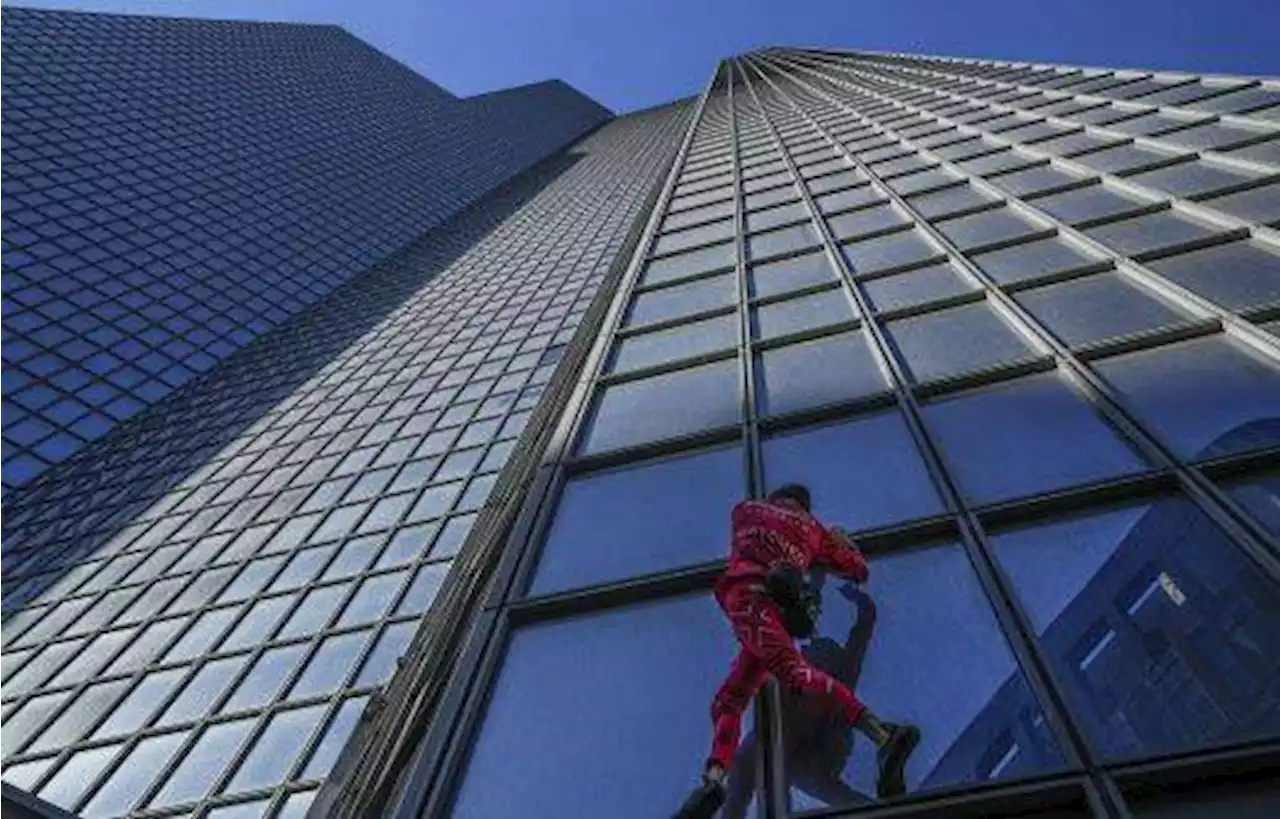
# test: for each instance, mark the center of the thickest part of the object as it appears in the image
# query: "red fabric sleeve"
(845, 561)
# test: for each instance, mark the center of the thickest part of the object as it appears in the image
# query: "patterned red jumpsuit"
(766, 534)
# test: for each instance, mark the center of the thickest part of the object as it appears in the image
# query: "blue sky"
(630, 54)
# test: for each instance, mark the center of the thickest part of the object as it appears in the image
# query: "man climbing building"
(764, 594)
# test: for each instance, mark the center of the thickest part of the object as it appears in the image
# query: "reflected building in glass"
(441, 544)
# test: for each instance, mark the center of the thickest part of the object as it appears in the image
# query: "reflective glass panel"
(605, 527)
(1235, 275)
(1144, 233)
(546, 722)
(683, 300)
(953, 341)
(917, 286)
(1097, 307)
(665, 406)
(673, 344)
(863, 473)
(824, 371)
(1032, 435)
(780, 318)
(986, 228)
(686, 264)
(884, 252)
(1260, 496)
(1033, 259)
(1206, 397)
(790, 274)
(920, 644)
(1162, 635)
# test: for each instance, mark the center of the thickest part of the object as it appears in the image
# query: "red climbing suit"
(766, 534)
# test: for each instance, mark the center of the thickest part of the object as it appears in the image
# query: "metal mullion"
(1249, 535)
(1011, 619)
(770, 761)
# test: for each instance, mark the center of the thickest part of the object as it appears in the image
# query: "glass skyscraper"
(440, 542)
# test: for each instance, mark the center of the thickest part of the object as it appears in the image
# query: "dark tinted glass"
(884, 252)
(1082, 204)
(683, 341)
(683, 300)
(1205, 398)
(779, 318)
(917, 286)
(810, 374)
(1097, 307)
(641, 518)
(1163, 636)
(665, 406)
(635, 681)
(790, 274)
(1033, 435)
(1032, 259)
(918, 644)
(954, 341)
(863, 473)
(1144, 233)
(1235, 275)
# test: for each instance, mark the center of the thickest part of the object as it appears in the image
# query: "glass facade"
(1013, 325)
(992, 316)
(157, 218)
(200, 605)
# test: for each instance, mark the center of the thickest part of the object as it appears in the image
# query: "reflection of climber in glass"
(817, 746)
(768, 602)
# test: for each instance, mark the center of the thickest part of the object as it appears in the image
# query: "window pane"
(1121, 158)
(986, 228)
(865, 220)
(77, 773)
(201, 766)
(330, 665)
(685, 264)
(1190, 178)
(133, 712)
(547, 723)
(335, 737)
(783, 240)
(1205, 398)
(781, 215)
(780, 318)
(947, 200)
(665, 406)
(275, 751)
(203, 690)
(1097, 307)
(918, 286)
(1235, 275)
(684, 341)
(1033, 435)
(372, 598)
(884, 252)
(863, 473)
(853, 197)
(76, 718)
(272, 670)
(920, 644)
(1261, 204)
(605, 528)
(790, 274)
(1082, 204)
(1163, 636)
(1039, 178)
(1260, 496)
(132, 776)
(381, 663)
(701, 235)
(1156, 230)
(830, 369)
(1032, 260)
(955, 341)
(682, 300)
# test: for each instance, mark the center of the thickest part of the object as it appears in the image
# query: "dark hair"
(793, 491)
